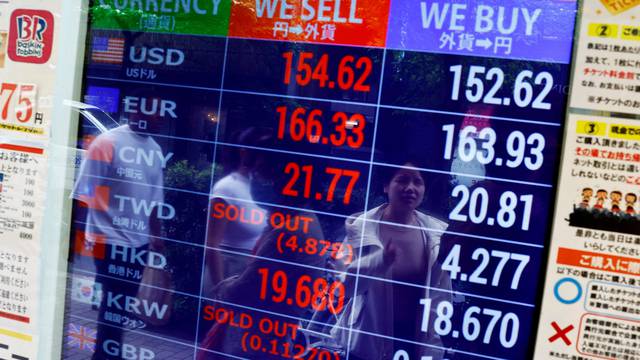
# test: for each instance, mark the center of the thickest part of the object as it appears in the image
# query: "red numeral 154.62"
(305, 68)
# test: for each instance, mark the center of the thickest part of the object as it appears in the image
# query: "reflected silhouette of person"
(269, 255)
(235, 190)
(108, 182)
(398, 242)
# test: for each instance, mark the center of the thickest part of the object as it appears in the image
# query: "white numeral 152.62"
(522, 93)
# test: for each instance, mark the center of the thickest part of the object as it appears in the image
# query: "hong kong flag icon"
(98, 200)
(89, 244)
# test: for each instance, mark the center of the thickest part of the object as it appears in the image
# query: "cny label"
(533, 30)
(349, 22)
(607, 66)
(204, 17)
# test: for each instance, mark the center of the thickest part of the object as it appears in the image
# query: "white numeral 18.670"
(476, 322)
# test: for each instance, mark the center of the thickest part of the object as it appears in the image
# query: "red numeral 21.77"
(305, 68)
(305, 173)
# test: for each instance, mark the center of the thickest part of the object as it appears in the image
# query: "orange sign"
(347, 22)
(618, 6)
(599, 261)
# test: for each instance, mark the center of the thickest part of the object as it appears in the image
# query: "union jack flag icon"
(81, 337)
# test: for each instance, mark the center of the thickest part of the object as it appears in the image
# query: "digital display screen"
(315, 179)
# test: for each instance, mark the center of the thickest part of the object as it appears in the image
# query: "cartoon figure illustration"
(587, 193)
(616, 197)
(601, 196)
(631, 199)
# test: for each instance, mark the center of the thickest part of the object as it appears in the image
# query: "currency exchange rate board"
(315, 179)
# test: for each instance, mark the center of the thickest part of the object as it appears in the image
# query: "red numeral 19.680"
(318, 293)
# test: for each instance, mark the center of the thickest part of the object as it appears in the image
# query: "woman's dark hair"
(388, 172)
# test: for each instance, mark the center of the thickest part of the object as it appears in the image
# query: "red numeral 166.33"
(305, 68)
(302, 123)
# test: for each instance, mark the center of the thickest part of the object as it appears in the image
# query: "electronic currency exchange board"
(315, 179)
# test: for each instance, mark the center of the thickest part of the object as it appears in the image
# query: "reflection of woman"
(405, 252)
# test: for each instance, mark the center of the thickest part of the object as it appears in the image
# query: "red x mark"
(561, 333)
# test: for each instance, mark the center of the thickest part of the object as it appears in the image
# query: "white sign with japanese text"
(607, 62)
(594, 264)
(28, 49)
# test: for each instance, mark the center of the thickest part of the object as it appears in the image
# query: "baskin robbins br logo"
(30, 36)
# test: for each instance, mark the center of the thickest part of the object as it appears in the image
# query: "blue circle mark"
(556, 291)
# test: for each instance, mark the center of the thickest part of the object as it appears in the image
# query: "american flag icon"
(81, 337)
(107, 50)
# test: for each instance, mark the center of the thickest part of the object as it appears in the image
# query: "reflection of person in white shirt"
(107, 182)
(234, 189)
(104, 168)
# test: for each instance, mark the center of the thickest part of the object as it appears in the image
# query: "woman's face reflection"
(406, 189)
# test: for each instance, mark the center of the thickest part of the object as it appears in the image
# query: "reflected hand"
(390, 253)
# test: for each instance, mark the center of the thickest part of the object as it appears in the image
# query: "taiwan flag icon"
(97, 199)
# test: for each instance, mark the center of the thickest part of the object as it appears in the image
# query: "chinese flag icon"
(90, 245)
